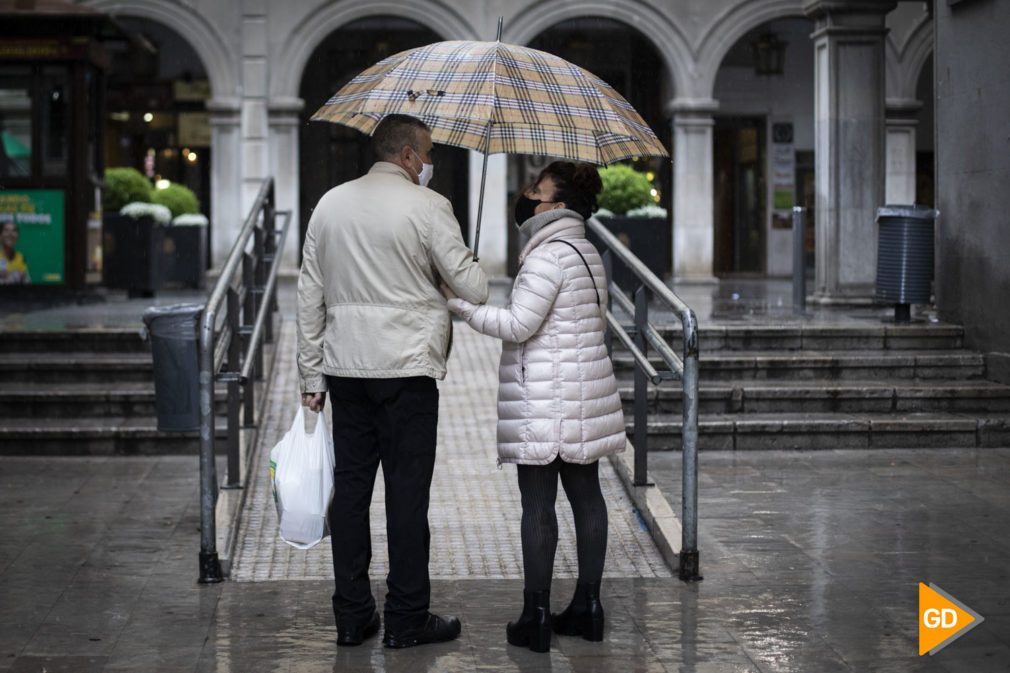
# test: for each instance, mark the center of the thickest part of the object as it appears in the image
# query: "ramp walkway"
(474, 511)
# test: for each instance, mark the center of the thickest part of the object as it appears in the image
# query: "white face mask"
(424, 177)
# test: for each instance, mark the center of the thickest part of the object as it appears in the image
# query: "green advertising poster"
(31, 242)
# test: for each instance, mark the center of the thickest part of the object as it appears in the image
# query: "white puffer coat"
(557, 393)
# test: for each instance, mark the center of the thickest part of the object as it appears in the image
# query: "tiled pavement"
(811, 561)
(474, 512)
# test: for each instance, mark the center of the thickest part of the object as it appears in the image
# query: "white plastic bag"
(301, 473)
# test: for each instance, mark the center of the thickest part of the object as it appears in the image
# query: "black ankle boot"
(533, 628)
(583, 616)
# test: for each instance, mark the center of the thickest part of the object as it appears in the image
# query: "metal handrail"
(684, 369)
(248, 287)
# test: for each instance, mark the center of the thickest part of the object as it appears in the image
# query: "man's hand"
(314, 401)
(446, 290)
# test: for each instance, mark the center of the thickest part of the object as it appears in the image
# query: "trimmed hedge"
(123, 186)
(624, 189)
(180, 199)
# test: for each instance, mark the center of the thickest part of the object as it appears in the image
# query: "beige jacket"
(368, 299)
(557, 394)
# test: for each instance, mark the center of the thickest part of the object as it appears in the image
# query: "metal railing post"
(684, 368)
(641, 390)
(799, 260)
(247, 290)
(689, 561)
(608, 269)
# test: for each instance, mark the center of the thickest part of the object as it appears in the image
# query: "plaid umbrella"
(495, 97)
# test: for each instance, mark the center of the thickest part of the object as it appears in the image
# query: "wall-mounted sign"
(31, 239)
(783, 175)
(194, 129)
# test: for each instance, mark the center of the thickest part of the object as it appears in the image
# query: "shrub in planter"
(123, 186)
(624, 189)
(179, 199)
(137, 210)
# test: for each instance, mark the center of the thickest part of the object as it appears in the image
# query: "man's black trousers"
(392, 421)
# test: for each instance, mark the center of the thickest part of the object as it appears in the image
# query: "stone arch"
(728, 28)
(666, 37)
(317, 26)
(206, 41)
(905, 61)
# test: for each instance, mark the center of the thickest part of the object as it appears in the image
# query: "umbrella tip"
(499, 29)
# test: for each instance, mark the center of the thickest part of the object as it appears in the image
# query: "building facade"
(837, 123)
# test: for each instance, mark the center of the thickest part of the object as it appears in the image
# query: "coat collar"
(389, 168)
(560, 222)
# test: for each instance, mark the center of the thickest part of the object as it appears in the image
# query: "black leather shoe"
(349, 637)
(434, 630)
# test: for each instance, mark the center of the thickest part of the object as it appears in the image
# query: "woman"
(558, 407)
(13, 267)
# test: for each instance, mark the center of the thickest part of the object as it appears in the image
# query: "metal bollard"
(799, 263)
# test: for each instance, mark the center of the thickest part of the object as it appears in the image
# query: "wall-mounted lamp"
(769, 54)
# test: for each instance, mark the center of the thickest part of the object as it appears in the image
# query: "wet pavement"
(811, 562)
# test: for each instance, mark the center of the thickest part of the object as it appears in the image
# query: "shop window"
(15, 122)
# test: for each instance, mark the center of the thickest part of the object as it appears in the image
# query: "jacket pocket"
(522, 363)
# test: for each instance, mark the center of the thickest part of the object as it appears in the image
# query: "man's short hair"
(393, 132)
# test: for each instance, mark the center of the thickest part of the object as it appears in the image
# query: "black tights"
(538, 486)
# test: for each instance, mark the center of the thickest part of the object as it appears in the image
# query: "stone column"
(225, 179)
(849, 143)
(899, 185)
(693, 190)
(284, 121)
(493, 248)
(255, 150)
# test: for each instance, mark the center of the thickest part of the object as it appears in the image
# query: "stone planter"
(131, 252)
(184, 255)
(646, 237)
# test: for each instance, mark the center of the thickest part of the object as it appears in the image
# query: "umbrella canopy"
(495, 97)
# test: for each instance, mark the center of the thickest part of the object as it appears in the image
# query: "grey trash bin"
(904, 257)
(174, 349)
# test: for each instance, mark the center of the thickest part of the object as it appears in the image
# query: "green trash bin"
(175, 352)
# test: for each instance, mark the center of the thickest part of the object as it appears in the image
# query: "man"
(373, 330)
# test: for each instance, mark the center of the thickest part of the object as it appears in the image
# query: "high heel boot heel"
(533, 628)
(583, 616)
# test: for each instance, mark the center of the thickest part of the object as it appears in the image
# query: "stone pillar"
(284, 122)
(225, 180)
(693, 190)
(899, 185)
(849, 143)
(493, 247)
(255, 150)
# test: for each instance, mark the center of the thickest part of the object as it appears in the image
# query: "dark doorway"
(331, 154)
(739, 195)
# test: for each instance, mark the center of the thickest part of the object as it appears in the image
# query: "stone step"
(94, 340)
(84, 400)
(79, 367)
(826, 365)
(100, 437)
(833, 431)
(871, 396)
(891, 337)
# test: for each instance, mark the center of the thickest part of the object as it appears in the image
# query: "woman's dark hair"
(577, 184)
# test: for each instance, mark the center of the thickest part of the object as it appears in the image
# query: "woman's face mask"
(526, 208)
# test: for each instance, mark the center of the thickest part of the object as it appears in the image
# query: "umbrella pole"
(483, 181)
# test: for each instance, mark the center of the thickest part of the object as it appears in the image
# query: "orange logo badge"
(942, 619)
